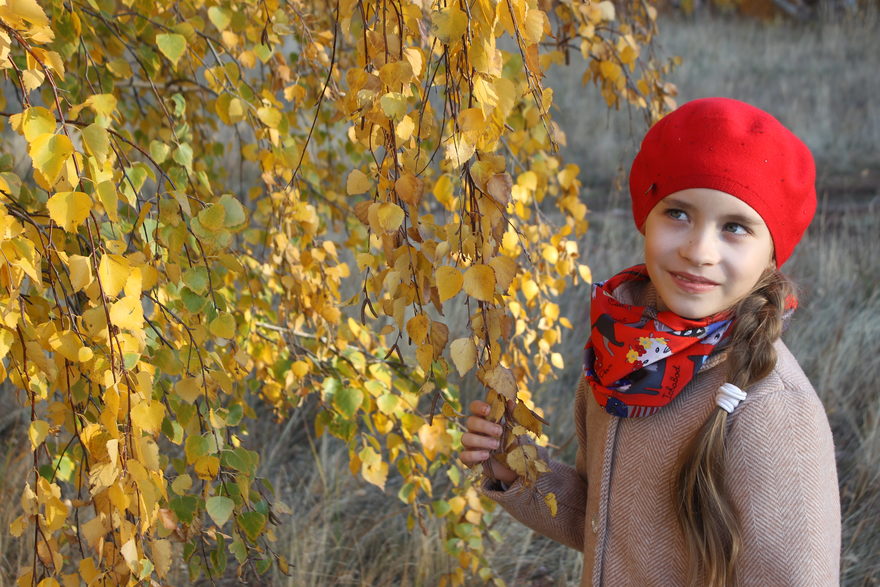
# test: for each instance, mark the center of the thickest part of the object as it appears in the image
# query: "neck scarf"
(637, 359)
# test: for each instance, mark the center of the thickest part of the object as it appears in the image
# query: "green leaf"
(241, 460)
(347, 400)
(183, 155)
(196, 279)
(219, 508)
(213, 217)
(388, 403)
(252, 523)
(192, 301)
(197, 446)
(184, 507)
(159, 151)
(219, 17)
(236, 216)
(172, 46)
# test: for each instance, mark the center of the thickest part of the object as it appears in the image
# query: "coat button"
(594, 524)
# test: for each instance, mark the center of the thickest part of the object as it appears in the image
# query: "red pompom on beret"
(733, 147)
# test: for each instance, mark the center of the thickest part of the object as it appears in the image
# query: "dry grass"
(821, 80)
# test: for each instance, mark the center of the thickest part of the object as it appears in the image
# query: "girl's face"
(705, 250)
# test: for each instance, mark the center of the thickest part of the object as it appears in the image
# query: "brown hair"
(708, 519)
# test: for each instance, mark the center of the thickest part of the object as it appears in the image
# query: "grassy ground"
(820, 80)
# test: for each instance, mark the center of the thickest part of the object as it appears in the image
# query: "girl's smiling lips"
(692, 283)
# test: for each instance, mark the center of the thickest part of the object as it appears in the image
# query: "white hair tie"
(729, 396)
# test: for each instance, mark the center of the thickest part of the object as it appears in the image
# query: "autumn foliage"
(212, 204)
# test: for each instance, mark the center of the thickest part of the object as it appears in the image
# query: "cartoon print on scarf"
(637, 359)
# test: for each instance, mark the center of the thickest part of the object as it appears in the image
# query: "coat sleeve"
(567, 483)
(782, 479)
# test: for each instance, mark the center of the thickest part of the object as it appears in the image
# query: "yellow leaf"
(207, 467)
(505, 270)
(464, 354)
(425, 356)
(409, 188)
(97, 141)
(109, 199)
(6, 340)
(128, 313)
(404, 129)
(533, 28)
(49, 153)
(27, 10)
(606, 8)
(519, 459)
(550, 500)
(95, 529)
(393, 105)
(357, 183)
(269, 116)
(69, 209)
(68, 345)
(223, 326)
(129, 552)
(610, 70)
(37, 432)
(35, 121)
(148, 415)
(449, 281)
(32, 79)
(80, 271)
(189, 389)
(450, 23)
(161, 551)
(499, 187)
(479, 282)
(527, 418)
(113, 272)
(550, 254)
(500, 379)
(417, 328)
(373, 469)
(459, 151)
(213, 217)
(389, 216)
(530, 289)
(435, 438)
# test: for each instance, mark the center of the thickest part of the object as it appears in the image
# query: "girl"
(704, 455)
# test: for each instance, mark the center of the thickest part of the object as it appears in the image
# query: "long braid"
(710, 524)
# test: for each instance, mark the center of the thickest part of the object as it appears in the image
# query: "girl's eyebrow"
(673, 203)
(740, 219)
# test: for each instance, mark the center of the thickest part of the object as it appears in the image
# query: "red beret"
(733, 147)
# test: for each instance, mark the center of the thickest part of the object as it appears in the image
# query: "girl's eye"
(737, 229)
(676, 214)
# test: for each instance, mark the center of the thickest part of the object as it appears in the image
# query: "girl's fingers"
(473, 457)
(479, 408)
(472, 441)
(482, 426)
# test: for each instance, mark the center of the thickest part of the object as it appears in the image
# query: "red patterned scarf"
(638, 359)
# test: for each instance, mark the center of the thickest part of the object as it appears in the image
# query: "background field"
(822, 81)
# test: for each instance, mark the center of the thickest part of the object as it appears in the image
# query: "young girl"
(704, 455)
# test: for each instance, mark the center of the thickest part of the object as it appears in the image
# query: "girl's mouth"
(692, 283)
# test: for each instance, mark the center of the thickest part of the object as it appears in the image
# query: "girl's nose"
(700, 247)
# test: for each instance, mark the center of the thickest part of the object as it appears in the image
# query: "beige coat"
(616, 504)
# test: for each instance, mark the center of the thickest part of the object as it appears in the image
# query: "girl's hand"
(482, 437)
